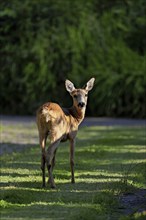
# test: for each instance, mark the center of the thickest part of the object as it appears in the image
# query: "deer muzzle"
(81, 104)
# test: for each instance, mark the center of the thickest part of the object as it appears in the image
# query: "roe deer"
(61, 124)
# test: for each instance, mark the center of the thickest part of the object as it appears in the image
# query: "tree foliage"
(43, 42)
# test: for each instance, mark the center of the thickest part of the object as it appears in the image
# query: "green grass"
(108, 162)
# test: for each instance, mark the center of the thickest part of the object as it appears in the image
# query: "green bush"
(45, 42)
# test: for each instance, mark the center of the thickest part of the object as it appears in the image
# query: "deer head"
(79, 96)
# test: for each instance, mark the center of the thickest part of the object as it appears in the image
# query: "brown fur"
(60, 124)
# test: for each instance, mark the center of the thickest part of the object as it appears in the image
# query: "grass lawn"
(109, 161)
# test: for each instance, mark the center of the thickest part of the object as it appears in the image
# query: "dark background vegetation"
(43, 42)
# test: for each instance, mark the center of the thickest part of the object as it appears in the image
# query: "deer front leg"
(50, 161)
(72, 146)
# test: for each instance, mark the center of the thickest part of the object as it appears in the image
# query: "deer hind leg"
(50, 157)
(43, 157)
(53, 160)
(53, 163)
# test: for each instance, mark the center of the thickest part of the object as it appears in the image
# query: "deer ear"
(69, 86)
(89, 85)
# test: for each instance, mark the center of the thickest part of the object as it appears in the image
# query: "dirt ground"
(135, 202)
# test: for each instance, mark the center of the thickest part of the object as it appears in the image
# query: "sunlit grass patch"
(108, 162)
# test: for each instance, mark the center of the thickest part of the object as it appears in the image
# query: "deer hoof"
(72, 181)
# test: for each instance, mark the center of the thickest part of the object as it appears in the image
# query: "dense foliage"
(43, 42)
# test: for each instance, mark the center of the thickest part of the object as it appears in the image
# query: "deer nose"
(81, 104)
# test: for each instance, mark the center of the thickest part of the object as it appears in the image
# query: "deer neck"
(78, 114)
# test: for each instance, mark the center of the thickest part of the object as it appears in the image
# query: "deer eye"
(75, 96)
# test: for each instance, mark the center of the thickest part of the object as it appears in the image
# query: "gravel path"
(135, 202)
(87, 121)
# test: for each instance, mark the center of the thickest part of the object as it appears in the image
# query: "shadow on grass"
(84, 183)
(28, 165)
(57, 211)
(69, 202)
(8, 148)
(80, 193)
(114, 136)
